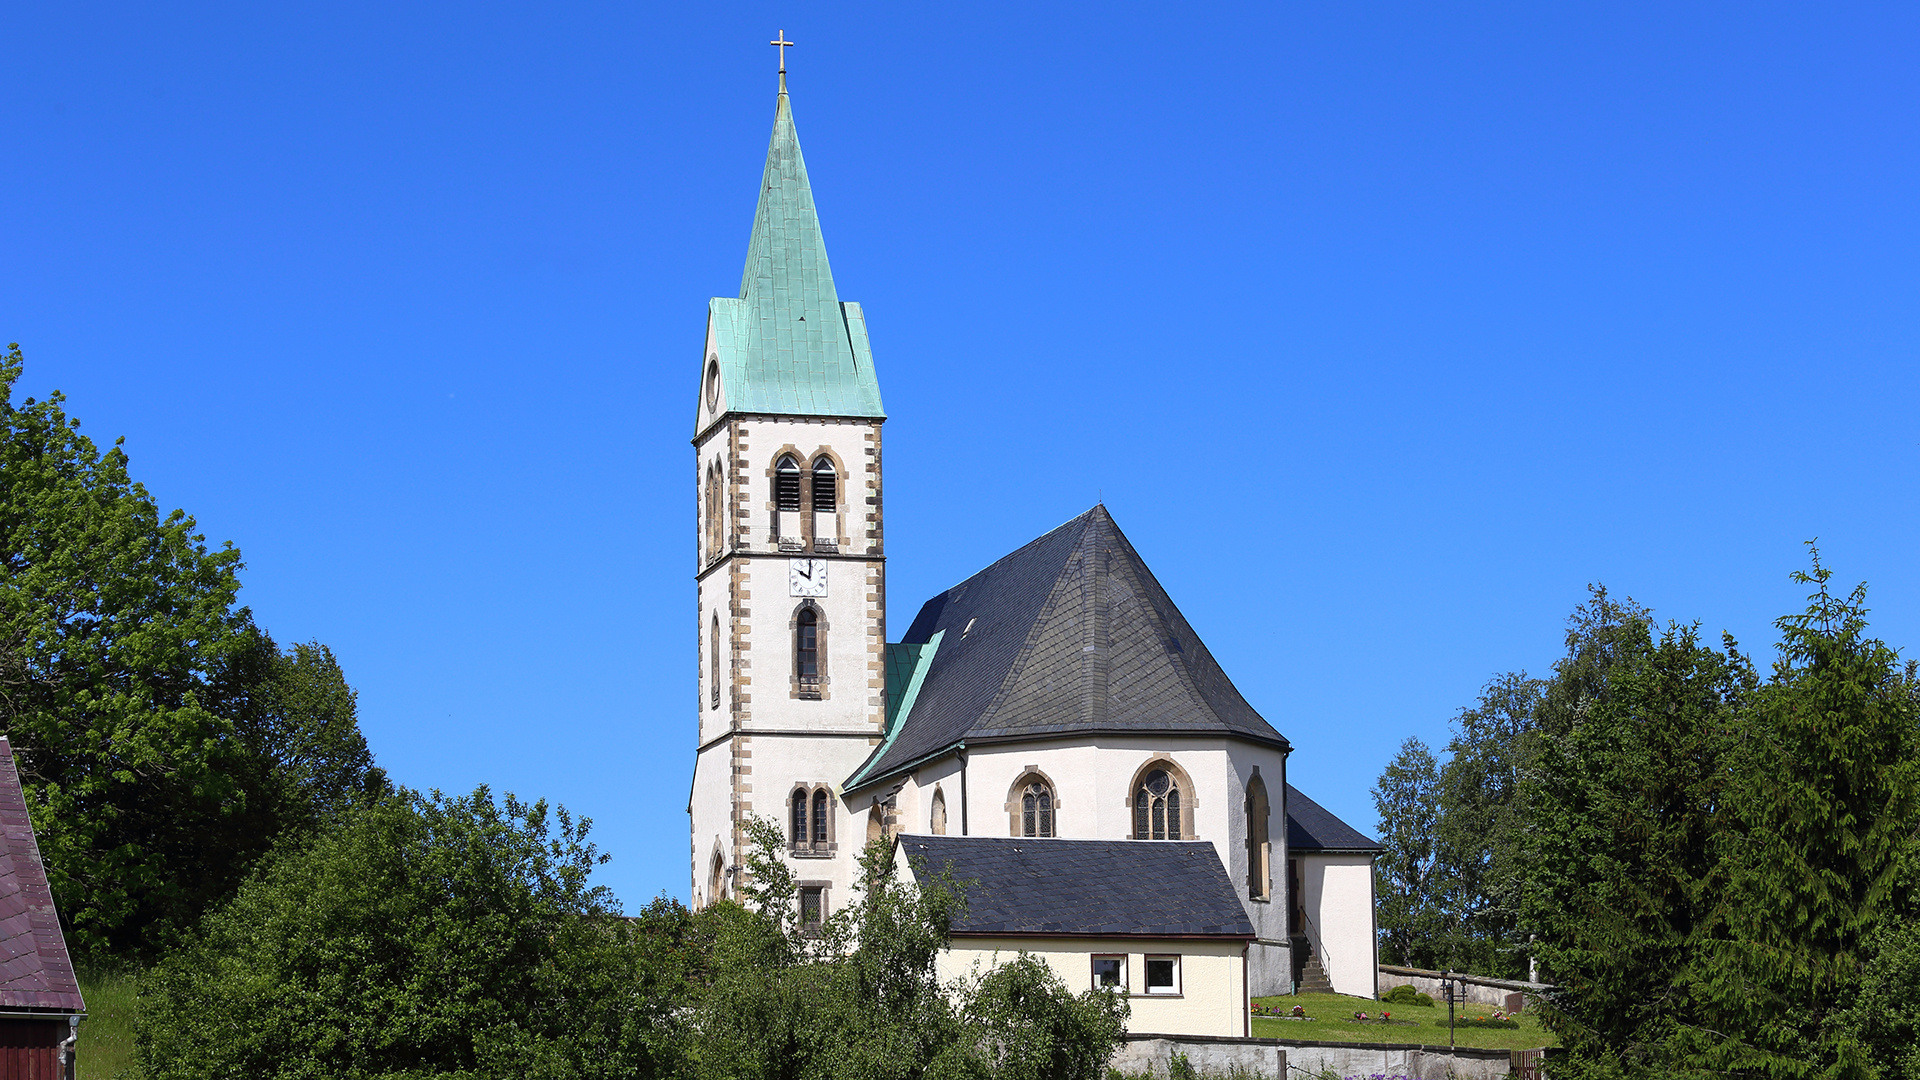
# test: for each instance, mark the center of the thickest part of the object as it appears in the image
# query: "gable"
(1069, 634)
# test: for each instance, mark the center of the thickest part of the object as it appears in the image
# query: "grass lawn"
(1333, 1022)
(106, 1035)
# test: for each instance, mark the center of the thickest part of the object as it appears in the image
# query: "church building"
(1057, 694)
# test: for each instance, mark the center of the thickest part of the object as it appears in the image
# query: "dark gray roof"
(1150, 888)
(1069, 634)
(1312, 827)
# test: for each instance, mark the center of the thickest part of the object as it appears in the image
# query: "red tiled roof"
(35, 970)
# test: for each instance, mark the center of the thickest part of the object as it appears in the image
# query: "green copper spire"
(788, 345)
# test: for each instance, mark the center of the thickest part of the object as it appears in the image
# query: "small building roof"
(1071, 634)
(36, 974)
(1084, 888)
(1312, 827)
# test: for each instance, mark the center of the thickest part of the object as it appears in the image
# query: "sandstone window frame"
(1259, 811)
(1189, 800)
(1030, 779)
(804, 685)
(811, 824)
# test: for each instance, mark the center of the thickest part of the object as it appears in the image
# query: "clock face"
(806, 577)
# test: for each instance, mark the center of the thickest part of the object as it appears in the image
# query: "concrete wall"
(1280, 1059)
(1213, 990)
(1338, 896)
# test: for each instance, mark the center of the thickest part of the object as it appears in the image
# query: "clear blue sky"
(1382, 329)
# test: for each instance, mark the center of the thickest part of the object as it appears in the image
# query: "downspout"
(1246, 991)
(963, 790)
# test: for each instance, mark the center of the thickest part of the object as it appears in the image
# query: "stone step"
(1313, 978)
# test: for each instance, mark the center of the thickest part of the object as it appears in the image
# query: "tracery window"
(1156, 807)
(1036, 810)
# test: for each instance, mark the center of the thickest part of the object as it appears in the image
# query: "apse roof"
(1107, 888)
(788, 344)
(1071, 634)
(35, 971)
(1312, 827)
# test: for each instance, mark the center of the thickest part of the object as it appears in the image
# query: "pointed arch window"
(1036, 810)
(786, 484)
(1156, 807)
(937, 820)
(716, 533)
(826, 504)
(786, 501)
(713, 665)
(806, 650)
(1259, 850)
(810, 820)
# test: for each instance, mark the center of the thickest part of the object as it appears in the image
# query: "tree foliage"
(164, 742)
(425, 937)
(1721, 869)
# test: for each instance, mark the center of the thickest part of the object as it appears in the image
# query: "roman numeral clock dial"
(806, 577)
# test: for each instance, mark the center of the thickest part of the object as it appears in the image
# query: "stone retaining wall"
(1279, 1058)
(1475, 989)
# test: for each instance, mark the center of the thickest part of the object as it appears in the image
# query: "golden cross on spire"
(782, 41)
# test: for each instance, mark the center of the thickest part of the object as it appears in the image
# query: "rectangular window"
(813, 908)
(1110, 971)
(1163, 974)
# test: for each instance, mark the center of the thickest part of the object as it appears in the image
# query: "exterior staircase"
(1313, 979)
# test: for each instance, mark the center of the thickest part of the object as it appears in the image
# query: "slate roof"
(788, 344)
(1312, 827)
(1070, 634)
(1109, 888)
(35, 970)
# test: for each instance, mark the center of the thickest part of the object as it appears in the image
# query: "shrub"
(1406, 995)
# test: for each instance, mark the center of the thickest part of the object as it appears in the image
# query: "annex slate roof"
(1312, 827)
(1069, 634)
(788, 344)
(1148, 888)
(35, 971)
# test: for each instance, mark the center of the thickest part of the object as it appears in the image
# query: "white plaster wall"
(1213, 997)
(711, 809)
(845, 439)
(1339, 902)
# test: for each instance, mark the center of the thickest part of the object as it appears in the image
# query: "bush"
(425, 937)
(1406, 995)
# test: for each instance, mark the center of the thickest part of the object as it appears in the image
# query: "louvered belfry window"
(786, 485)
(825, 487)
(1156, 808)
(1036, 811)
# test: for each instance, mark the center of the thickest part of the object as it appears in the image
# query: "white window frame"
(1094, 971)
(1146, 973)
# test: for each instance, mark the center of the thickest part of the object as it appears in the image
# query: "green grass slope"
(1333, 1022)
(106, 1035)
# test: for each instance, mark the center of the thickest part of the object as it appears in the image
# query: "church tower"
(790, 569)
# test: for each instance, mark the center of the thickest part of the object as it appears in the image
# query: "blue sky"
(1382, 329)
